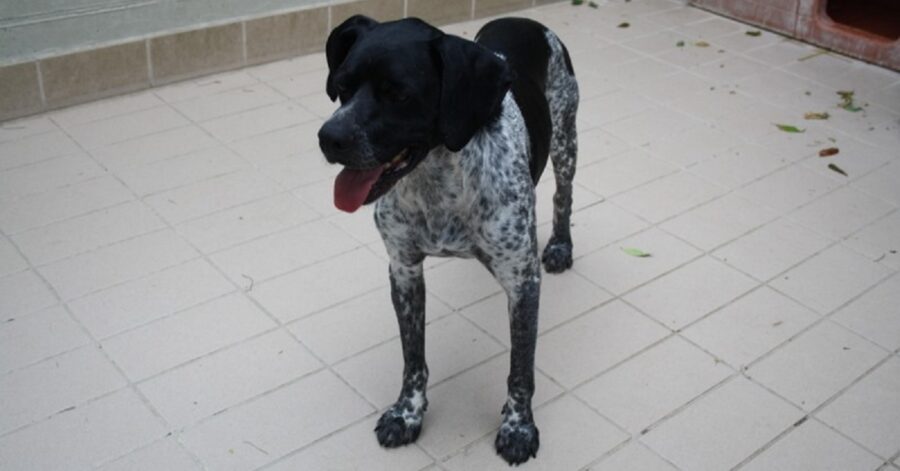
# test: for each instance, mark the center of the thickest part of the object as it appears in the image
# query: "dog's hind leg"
(402, 422)
(562, 98)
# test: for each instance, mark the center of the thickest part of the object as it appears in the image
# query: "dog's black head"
(405, 87)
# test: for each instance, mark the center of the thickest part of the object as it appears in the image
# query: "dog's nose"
(333, 140)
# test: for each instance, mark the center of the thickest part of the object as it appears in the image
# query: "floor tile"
(97, 110)
(719, 221)
(596, 226)
(289, 141)
(38, 336)
(873, 315)
(841, 212)
(771, 249)
(816, 365)
(830, 278)
(202, 198)
(582, 198)
(129, 126)
(869, 411)
(697, 144)
(459, 283)
(751, 326)
(646, 388)
(47, 388)
(11, 261)
(256, 121)
(572, 436)
(124, 261)
(618, 272)
(622, 172)
(668, 196)
(730, 423)
(358, 270)
(23, 293)
(228, 102)
(183, 170)
(189, 334)
(453, 345)
(154, 148)
(78, 439)
(594, 342)
(739, 165)
(261, 431)
(205, 86)
(306, 83)
(165, 454)
(214, 383)
(813, 446)
(47, 175)
(35, 148)
(878, 240)
(788, 188)
(633, 457)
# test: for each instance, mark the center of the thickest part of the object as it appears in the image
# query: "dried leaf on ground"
(815, 115)
(838, 169)
(635, 252)
(789, 128)
(753, 33)
(624, 25)
(593, 4)
(577, 2)
(701, 44)
(679, 44)
(829, 152)
(847, 101)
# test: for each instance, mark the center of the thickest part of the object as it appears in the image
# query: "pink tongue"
(352, 186)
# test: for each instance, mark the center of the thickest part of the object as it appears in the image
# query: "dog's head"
(405, 88)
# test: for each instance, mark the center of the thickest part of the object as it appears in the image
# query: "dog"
(448, 138)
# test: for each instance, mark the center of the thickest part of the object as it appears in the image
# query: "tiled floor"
(178, 293)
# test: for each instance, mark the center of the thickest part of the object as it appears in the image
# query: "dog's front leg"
(402, 422)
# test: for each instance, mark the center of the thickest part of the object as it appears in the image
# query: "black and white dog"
(448, 138)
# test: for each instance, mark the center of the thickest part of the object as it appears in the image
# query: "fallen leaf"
(701, 44)
(777, 323)
(577, 2)
(829, 152)
(679, 44)
(847, 101)
(789, 128)
(838, 169)
(635, 252)
(814, 115)
(753, 33)
(593, 4)
(624, 25)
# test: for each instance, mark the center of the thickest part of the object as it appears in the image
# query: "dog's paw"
(517, 443)
(557, 256)
(398, 426)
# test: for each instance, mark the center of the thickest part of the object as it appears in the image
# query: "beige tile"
(212, 195)
(292, 171)
(35, 148)
(771, 249)
(287, 34)
(47, 175)
(739, 165)
(188, 335)
(319, 104)
(485, 8)
(180, 171)
(307, 83)
(439, 12)
(228, 102)
(654, 123)
(38, 336)
(461, 282)
(360, 225)
(25, 127)
(105, 108)
(84, 233)
(83, 76)
(594, 342)
(729, 423)
(596, 145)
(124, 261)
(841, 212)
(563, 297)
(292, 66)
(154, 147)
(788, 188)
(204, 86)
(571, 437)
(883, 183)
(816, 365)
(358, 270)
(869, 411)
(281, 252)
(830, 279)
(668, 196)
(633, 457)
(878, 241)
(381, 10)
(47, 388)
(597, 226)
(855, 158)
(697, 144)
(214, 383)
(751, 326)
(197, 52)
(690, 292)
(164, 454)
(287, 142)
(78, 439)
(23, 293)
(719, 221)
(355, 448)
(75, 200)
(622, 172)
(101, 133)
(128, 305)
(257, 121)
(20, 91)
(813, 446)
(873, 315)
(618, 272)
(261, 431)
(10, 259)
(611, 107)
(377, 373)
(654, 384)
(359, 324)
(543, 207)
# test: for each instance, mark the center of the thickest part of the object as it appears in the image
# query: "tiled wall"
(55, 82)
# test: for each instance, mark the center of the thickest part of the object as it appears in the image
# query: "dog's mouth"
(356, 187)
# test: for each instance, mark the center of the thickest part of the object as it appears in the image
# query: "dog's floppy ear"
(340, 41)
(473, 83)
